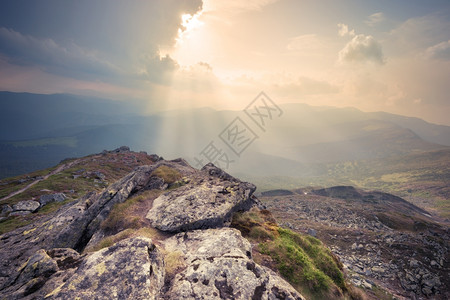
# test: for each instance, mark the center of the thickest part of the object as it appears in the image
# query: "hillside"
(91, 215)
(381, 239)
(121, 224)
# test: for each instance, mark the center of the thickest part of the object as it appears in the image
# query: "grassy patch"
(129, 213)
(122, 235)
(300, 259)
(381, 294)
(111, 240)
(169, 175)
(11, 223)
(52, 207)
(174, 262)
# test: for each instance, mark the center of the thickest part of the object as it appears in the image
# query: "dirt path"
(56, 171)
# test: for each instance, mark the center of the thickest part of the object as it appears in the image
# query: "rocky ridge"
(383, 241)
(191, 255)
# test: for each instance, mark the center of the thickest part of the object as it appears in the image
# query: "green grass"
(304, 261)
(300, 259)
(128, 215)
(11, 223)
(169, 175)
(14, 222)
(122, 235)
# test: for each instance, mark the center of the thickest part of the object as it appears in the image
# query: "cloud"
(117, 42)
(70, 60)
(343, 30)
(362, 48)
(439, 51)
(375, 18)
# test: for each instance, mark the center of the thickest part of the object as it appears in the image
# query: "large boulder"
(130, 269)
(57, 197)
(207, 201)
(28, 205)
(98, 206)
(217, 264)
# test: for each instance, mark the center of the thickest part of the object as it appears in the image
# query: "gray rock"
(6, 209)
(130, 269)
(312, 232)
(427, 290)
(34, 274)
(58, 197)
(28, 205)
(79, 232)
(121, 149)
(218, 265)
(19, 213)
(202, 203)
(413, 263)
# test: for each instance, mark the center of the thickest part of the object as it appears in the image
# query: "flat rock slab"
(130, 269)
(218, 265)
(207, 201)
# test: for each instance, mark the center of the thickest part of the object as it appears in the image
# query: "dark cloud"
(111, 41)
(70, 60)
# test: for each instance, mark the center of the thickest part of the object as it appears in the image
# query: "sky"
(385, 55)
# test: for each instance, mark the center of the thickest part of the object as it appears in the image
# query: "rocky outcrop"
(205, 202)
(217, 264)
(411, 262)
(98, 206)
(47, 259)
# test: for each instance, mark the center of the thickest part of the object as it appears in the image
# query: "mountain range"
(306, 145)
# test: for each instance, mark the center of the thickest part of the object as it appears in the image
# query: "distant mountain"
(31, 116)
(439, 134)
(40, 130)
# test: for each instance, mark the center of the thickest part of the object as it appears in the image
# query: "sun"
(189, 23)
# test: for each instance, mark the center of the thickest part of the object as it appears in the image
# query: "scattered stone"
(28, 205)
(312, 232)
(58, 197)
(121, 149)
(6, 209)
(413, 263)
